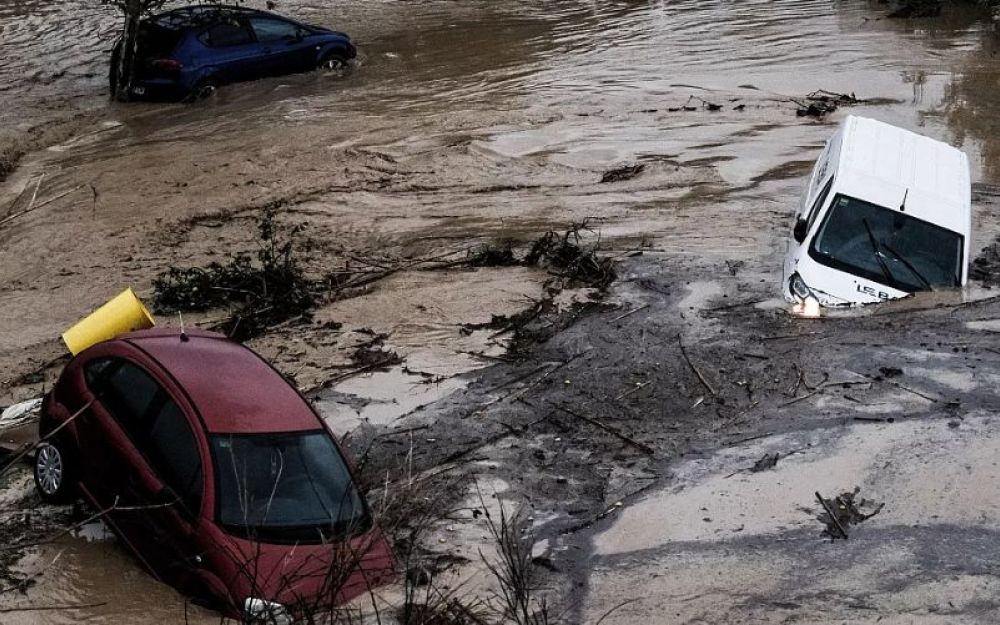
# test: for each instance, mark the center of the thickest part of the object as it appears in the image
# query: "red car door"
(126, 441)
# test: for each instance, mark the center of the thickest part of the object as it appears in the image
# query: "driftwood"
(607, 428)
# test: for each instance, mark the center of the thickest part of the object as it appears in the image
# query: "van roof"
(881, 163)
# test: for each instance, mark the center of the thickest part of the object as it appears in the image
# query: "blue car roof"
(202, 14)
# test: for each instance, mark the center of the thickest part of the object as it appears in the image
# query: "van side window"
(173, 451)
(818, 204)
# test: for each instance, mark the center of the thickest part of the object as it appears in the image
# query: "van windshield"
(292, 487)
(888, 246)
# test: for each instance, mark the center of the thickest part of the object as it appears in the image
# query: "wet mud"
(672, 128)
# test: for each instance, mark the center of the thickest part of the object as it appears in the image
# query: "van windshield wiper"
(909, 266)
(878, 256)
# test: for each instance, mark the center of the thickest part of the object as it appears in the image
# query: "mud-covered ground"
(469, 123)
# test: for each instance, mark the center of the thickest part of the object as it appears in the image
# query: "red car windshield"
(285, 488)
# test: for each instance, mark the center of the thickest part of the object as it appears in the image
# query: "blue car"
(187, 53)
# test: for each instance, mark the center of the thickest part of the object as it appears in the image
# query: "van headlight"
(262, 612)
(798, 288)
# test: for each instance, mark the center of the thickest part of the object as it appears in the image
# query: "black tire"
(334, 62)
(202, 90)
(55, 472)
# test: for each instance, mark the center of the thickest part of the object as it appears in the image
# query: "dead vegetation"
(845, 510)
(261, 292)
(271, 287)
(574, 264)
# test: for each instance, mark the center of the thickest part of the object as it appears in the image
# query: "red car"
(214, 471)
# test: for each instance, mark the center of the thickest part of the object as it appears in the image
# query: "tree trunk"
(129, 45)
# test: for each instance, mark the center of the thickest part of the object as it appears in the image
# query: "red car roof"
(232, 387)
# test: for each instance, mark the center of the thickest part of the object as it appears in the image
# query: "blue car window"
(224, 34)
(268, 29)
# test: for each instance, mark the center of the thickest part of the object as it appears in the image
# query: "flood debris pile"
(821, 103)
(373, 354)
(499, 254)
(845, 510)
(619, 174)
(986, 266)
(261, 292)
(573, 263)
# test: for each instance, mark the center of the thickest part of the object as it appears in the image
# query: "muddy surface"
(473, 122)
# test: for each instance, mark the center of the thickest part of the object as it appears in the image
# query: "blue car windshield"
(292, 487)
(888, 246)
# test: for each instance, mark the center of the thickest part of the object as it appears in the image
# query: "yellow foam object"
(124, 313)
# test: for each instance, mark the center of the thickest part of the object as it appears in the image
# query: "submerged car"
(190, 51)
(887, 213)
(214, 471)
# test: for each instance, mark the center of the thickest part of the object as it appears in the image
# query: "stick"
(631, 312)
(38, 608)
(615, 609)
(833, 517)
(635, 388)
(610, 430)
(40, 205)
(697, 372)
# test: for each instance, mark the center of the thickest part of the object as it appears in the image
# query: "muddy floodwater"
(462, 123)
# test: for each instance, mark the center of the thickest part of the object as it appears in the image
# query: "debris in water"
(20, 413)
(499, 255)
(916, 8)
(564, 254)
(890, 372)
(374, 355)
(821, 103)
(766, 462)
(620, 174)
(845, 510)
(986, 266)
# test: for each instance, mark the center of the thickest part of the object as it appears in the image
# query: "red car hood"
(304, 578)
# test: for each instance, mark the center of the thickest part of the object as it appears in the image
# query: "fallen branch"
(631, 312)
(40, 205)
(833, 517)
(697, 371)
(39, 608)
(607, 428)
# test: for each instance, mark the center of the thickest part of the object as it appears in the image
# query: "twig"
(615, 609)
(635, 388)
(39, 608)
(933, 400)
(787, 336)
(40, 205)
(607, 428)
(631, 312)
(697, 371)
(833, 517)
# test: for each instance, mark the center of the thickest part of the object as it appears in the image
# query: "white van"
(887, 212)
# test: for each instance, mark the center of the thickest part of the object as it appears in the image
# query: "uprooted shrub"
(264, 290)
(566, 256)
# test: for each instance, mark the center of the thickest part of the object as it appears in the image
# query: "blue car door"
(284, 45)
(232, 53)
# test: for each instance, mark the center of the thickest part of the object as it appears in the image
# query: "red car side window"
(173, 451)
(154, 423)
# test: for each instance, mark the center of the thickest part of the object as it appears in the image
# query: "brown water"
(463, 122)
